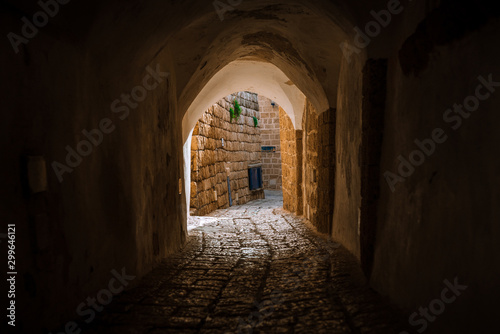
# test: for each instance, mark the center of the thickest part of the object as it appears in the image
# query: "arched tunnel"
(386, 221)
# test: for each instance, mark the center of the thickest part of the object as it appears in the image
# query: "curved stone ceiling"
(254, 76)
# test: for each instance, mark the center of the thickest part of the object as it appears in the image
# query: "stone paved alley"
(378, 120)
(249, 268)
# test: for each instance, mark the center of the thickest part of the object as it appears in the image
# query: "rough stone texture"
(345, 227)
(270, 136)
(291, 150)
(326, 169)
(106, 212)
(461, 17)
(121, 206)
(442, 221)
(254, 268)
(319, 167)
(210, 159)
(310, 162)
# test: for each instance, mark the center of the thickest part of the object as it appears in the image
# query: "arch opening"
(261, 78)
(246, 150)
(255, 76)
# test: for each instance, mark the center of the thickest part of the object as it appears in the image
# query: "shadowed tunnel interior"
(389, 154)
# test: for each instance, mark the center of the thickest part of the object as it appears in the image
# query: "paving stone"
(254, 268)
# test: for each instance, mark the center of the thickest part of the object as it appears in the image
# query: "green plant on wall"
(255, 121)
(237, 109)
(236, 112)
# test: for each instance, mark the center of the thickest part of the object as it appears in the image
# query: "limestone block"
(202, 155)
(207, 172)
(196, 129)
(222, 156)
(201, 129)
(206, 157)
(195, 143)
(195, 160)
(219, 167)
(206, 184)
(194, 189)
(207, 117)
(202, 198)
(215, 143)
(210, 132)
(202, 174)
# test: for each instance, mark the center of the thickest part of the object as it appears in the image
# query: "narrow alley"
(253, 268)
(142, 141)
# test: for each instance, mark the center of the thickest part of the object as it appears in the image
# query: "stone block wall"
(311, 163)
(223, 147)
(270, 136)
(319, 167)
(291, 162)
(326, 167)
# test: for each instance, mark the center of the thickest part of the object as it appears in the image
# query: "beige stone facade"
(291, 156)
(302, 166)
(308, 164)
(318, 166)
(222, 147)
(270, 135)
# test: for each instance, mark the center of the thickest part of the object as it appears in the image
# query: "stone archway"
(244, 75)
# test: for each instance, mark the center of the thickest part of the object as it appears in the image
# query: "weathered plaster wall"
(270, 136)
(210, 158)
(441, 222)
(109, 212)
(348, 141)
(122, 207)
(327, 162)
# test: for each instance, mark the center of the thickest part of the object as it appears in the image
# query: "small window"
(268, 148)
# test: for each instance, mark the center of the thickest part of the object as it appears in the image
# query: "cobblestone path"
(253, 268)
